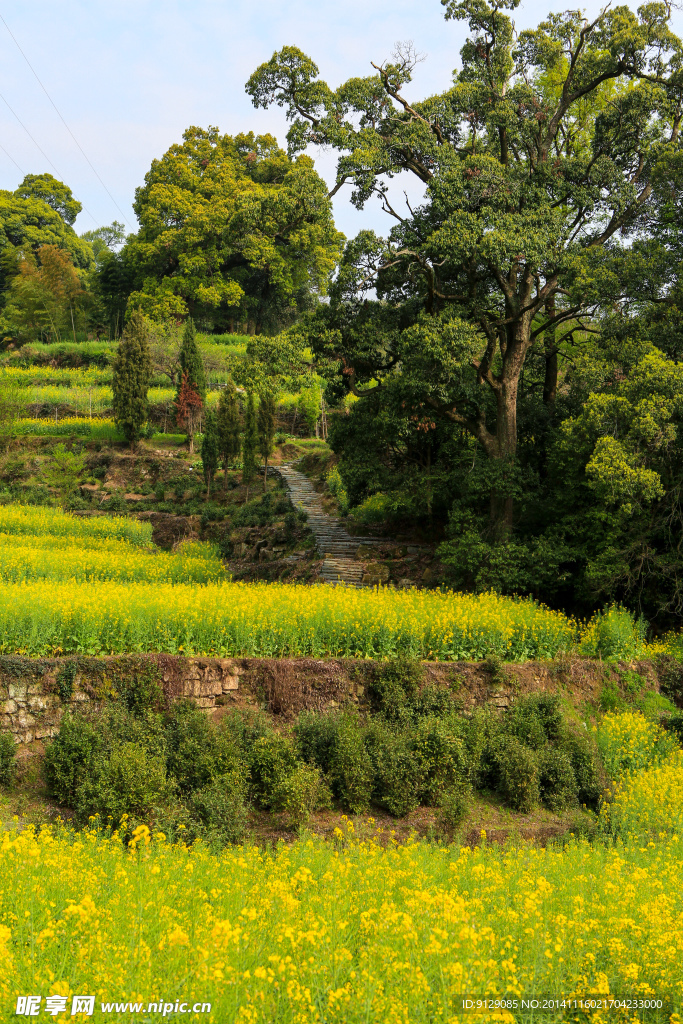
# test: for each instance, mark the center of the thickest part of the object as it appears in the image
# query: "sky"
(128, 76)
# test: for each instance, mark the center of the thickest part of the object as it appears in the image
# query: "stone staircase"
(338, 549)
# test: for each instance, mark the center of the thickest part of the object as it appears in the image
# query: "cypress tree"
(229, 429)
(210, 452)
(249, 442)
(132, 370)
(191, 361)
(266, 430)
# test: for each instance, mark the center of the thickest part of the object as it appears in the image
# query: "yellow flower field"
(49, 544)
(265, 619)
(356, 932)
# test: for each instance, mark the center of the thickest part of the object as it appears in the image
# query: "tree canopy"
(232, 230)
(546, 165)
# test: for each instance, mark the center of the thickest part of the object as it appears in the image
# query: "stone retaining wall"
(35, 692)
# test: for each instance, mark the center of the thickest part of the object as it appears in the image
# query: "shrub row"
(414, 748)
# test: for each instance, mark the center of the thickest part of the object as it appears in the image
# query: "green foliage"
(446, 762)
(66, 678)
(210, 449)
(272, 759)
(64, 471)
(197, 753)
(585, 764)
(130, 780)
(301, 792)
(351, 769)
(615, 634)
(518, 777)
(394, 687)
(265, 426)
(229, 429)
(454, 806)
(8, 759)
(557, 782)
(233, 228)
(308, 405)
(249, 441)
(70, 757)
(221, 809)
(335, 485)
(190, 360)
(398, 769)
(535, 719)
(132, 370)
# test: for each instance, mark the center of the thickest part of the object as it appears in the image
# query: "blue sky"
(130, 75)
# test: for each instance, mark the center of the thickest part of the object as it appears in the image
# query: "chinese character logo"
(83, 1004)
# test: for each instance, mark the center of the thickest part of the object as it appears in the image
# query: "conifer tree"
(210, 453)
(249, 442)
(229, 429)
(266, 430)
(132, 369)
(191, 361)
(188, 405)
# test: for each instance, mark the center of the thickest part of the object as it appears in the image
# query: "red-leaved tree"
(188, 409)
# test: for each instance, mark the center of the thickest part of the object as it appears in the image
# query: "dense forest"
(501, 369)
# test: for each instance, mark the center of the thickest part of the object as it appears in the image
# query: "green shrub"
(557, 782)
(70, 757)
(444, 756)
(586, 767)
(221, 808)
(674, 724)
(454, 806)
(271, 760)
(517, 774)
(8, 759)
(315, 736)
(398, 770)
(129, 781)
(481, 735)
(301, 792)
(610, 698)
(375, 510)
(394, 688)
(197, 752)
(615, 633)
(351, 770)
(434, 702)
(535, 719)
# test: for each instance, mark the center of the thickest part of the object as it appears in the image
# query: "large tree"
(540, 164)
(232, 230)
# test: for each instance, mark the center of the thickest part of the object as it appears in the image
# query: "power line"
(64, 122)
(29, 134)
(40, 150)
(12, 159)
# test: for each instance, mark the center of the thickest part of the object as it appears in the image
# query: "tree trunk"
(265, 474)
(550, 347)
(504, 449)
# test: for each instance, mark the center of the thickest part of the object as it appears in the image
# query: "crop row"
(279, 620)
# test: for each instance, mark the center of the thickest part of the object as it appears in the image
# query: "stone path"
(338, 548)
